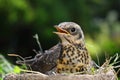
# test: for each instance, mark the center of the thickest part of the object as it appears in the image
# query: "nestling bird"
(69, 56)
(74, 56)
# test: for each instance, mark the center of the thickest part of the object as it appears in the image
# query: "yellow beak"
(60, 30)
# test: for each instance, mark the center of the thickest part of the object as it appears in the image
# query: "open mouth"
(60, 30)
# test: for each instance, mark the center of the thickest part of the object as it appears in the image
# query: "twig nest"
(110, 75)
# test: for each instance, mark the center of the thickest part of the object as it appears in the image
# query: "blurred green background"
(21, 19)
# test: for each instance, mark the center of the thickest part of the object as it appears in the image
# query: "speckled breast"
(73, 59)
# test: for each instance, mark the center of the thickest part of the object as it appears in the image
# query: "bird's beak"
(60, 30)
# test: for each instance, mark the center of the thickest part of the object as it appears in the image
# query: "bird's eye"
(72, 30)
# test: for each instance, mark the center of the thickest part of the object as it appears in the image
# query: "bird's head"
(70, 32)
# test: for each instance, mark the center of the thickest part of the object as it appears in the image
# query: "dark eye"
(72, 30)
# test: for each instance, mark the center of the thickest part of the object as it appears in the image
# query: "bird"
(74, 56)
(70, 55)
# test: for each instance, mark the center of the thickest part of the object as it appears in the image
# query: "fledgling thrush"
(74, 56)
(69, 56)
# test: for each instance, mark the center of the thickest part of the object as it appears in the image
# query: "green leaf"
(17, 69)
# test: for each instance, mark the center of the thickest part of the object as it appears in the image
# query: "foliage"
(106, 40)
(6, 67)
